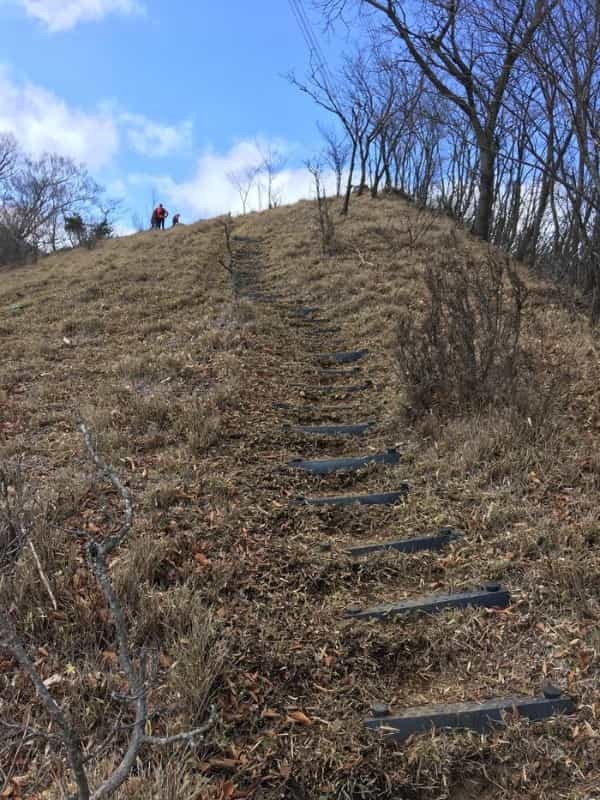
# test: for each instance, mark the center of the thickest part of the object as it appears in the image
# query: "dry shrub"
(136, 367)
(144, 412)
(203, 433)
(417, 224)
(166, 777)
(464, 350)
(199, 653)
(13, 515)
(84, 326)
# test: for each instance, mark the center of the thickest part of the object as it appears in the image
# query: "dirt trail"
(463, 655)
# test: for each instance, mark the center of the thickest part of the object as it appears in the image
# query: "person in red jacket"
(161, 215)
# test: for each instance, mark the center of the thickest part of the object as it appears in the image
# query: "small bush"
(464, 348)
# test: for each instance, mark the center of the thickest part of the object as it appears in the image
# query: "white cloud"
(209, 192)
(153, 139)
(61, 15)
(42, 122)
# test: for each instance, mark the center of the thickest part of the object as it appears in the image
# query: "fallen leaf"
(94, 528)
(300, 717)
(110, 657)
(228, 790)
(53, 680)
(164, 661)
(224, 763)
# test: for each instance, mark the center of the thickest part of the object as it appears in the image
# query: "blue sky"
(160, 95)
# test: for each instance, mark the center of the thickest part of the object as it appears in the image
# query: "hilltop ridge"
(241, 590)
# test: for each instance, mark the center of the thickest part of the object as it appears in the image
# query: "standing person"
(154, 219)
(162, 214)
(176, 219)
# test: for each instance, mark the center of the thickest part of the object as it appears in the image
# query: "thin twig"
(111, 542)
(97, 551)
(14, 731)
(362, 259)
(187, 735)
(42, 574)
(10, 644)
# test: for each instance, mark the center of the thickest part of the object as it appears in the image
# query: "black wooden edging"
(304, 311)
(414, 545)
(337, 389)
(322, 330)
(491, 596)
(331, 430)
(342, 357)
(259, 297)
(306, 323)
(328, 466)
(339, 373)
(474, 716)
(384, 499)
(309, 410)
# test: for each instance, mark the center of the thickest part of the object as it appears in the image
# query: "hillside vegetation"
(238, 592)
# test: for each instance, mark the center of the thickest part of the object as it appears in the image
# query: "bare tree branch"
(97, 550)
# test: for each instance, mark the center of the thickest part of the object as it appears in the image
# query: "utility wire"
(314, 49)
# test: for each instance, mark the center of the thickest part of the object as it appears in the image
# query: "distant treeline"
(46, 204)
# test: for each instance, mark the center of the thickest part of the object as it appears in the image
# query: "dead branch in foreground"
(228, 262)
(97, 551)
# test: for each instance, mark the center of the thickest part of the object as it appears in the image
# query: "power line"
(314, 49)
(311, 34)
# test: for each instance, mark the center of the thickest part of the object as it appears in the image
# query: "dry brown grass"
(225, 579)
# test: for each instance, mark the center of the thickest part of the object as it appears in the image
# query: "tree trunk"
(350, 176)
(485, 206)
(363, 174)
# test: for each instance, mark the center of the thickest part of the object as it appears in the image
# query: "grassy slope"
(180, 395)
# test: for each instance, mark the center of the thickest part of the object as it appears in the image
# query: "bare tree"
(272, 161)
(40, 194)
(337, 151)
(326, 226)
(9, 156)
(468, 52)
(243, 180)
(345, 102)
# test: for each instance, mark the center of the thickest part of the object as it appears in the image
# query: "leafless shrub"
(464, 349)
(13, 515)
(63, 732)
(15, 524)
(419, 222)
(201, 424)
(228, 260)
(326, 226)
(408, 229)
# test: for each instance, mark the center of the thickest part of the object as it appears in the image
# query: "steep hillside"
(241, 591)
